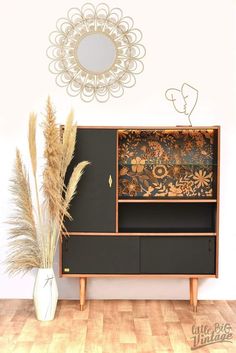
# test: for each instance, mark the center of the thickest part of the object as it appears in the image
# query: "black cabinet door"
(178, 255)
(94, 206)
(100, 255)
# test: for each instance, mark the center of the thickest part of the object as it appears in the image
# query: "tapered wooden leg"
(194, 290)
(191, 291)
(82, 282)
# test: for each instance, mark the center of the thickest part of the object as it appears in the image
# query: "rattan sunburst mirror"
(96, 52)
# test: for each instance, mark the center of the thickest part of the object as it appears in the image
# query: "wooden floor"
(112, 327)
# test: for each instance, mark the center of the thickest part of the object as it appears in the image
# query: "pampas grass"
(32, 142)
(52, 179)
(68, 146)
(24, 247)
(74, 179)
(35, 231)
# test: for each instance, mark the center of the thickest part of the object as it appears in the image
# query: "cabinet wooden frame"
(142, 234)
(192, 278)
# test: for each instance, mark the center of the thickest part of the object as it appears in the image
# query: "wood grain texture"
(117, 179)
(167, 201)
(112, 326)
(82, 282)
(178, 127)
(137, 276)
(207, 234)
(191, 291)
(218, 203)
(194, 292)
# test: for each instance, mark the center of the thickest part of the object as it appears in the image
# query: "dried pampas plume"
(69, 137)
(35, 231)
(52, 179)
(32, 142)
(74, 179)
(24, 248)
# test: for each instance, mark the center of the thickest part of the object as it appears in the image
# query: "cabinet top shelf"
(124, 234)
(180, 127)
(166, 200)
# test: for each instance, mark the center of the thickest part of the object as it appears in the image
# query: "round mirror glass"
(96, 52)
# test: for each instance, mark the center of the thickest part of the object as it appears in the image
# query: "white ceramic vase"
(45, 294)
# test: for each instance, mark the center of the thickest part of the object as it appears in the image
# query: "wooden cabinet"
(148, 205)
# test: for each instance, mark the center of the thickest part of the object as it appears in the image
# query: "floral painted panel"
(166, 163)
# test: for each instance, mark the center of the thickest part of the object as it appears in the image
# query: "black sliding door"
(93, 207)
(100, 254)
(178, 254)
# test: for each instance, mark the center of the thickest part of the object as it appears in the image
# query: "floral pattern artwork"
(166, 163)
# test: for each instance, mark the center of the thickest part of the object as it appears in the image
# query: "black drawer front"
(100, 255)
(178, 255)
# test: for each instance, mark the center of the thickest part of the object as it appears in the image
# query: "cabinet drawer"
(100, 255)
(178, 255)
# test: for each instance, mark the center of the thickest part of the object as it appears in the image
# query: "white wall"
(190, 41)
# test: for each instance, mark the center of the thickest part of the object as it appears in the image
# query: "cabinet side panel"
(218, 201)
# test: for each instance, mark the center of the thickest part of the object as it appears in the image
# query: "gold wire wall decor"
(95, 52)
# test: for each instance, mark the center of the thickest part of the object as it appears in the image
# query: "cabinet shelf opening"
(167, 218)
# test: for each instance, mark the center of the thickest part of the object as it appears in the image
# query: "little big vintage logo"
(204, 335)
